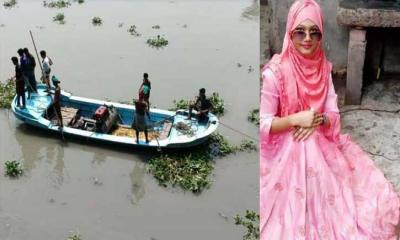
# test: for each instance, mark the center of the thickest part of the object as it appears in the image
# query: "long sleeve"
(269, 103)
(331, 110)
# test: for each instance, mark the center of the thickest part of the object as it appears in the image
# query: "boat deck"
(166, 128)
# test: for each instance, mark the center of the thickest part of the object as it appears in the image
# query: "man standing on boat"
(56, 100)
(19, 83)
(145, 89)
(29, 70)
(139, 123)
(202, 105)
(46, 63)
(23, 60)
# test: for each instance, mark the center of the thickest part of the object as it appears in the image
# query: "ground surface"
(376, 128)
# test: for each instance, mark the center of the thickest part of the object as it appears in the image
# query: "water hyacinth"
(218, 106)
(251, 221)
(97, 21)
(57, 4)
(180, 104)
(190, 172)
(10, 3)
(74, 236)
(7, 93)
(13, 168)
(157, 42)
(133, 32)
(254, 116)
(60, 18)
(220, 143)
(191, 169)
(247, 145)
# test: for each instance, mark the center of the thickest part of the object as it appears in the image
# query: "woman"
(315, 183)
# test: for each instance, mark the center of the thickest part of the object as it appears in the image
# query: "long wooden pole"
(37, 55)
(41, 68)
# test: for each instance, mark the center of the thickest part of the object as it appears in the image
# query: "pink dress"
(325, 187)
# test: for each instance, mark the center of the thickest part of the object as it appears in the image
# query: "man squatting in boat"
(202, 105)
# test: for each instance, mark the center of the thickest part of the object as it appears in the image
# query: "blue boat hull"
(164, 124)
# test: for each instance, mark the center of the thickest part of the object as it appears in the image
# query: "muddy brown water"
(105, 192)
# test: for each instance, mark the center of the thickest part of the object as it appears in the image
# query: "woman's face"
(306, 38)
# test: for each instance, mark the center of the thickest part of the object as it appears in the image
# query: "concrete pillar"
(355, 65)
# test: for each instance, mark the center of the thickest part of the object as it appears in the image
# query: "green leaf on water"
(7, 93)
(251, 221)
(74, 236)
(254, 116)
(13, 168)
(60, 18)
(10, 3)
(157, 42)
(191, 169)
(97, 21)
(57, 4)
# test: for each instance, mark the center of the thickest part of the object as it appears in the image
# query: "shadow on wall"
(383, 50)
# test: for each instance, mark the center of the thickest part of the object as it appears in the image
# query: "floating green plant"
(60, 18)
(218, 106)
(188, 171)
(254, 116)
(133, 32)
(156, 27)
(225, 148)
(10, 3)
(251, 221)
(7, 93)
(96, 21)
(80, 1)
(13, 168)
(57, 4)
(180, 104)
(191, 169)
(219, 146)
(157, 42)
(74, 236)
(247, 145)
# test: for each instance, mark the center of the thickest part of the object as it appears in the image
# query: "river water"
(105, 192)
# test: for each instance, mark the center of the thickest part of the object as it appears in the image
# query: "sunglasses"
(300, 35)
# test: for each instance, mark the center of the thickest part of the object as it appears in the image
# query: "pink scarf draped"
(303, 81)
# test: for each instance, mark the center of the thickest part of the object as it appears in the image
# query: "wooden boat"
(166, 129)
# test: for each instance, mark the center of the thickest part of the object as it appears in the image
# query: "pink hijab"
(303, 81)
